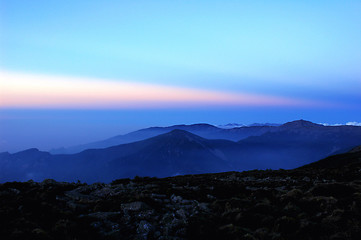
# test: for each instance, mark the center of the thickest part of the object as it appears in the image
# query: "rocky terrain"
(305, 203)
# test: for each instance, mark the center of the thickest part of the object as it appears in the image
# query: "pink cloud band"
(45, 91)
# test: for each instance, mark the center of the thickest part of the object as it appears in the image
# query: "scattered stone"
(284, 204)
(104, 215)
(135, 206)
(293, 194)
(159, 196)
(306, 179)
(14, 191)
(143, 229)
(175, 198)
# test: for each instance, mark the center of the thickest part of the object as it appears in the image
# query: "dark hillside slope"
(350, 159)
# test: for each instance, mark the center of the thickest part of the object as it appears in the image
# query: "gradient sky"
(78, 71)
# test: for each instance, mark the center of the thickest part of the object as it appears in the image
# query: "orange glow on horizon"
(41, 91)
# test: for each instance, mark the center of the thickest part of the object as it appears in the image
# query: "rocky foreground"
(285, 204)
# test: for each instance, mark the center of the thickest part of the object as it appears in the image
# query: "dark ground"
(318, 201)
(293, 204)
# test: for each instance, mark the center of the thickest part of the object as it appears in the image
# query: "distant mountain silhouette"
(264, 124)
(299, 142)
(180, 152)
(211, 132)
(173, 153)
(204, 130)
(20, 165)
(300, 124)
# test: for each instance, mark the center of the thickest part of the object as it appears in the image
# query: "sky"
(73, 72)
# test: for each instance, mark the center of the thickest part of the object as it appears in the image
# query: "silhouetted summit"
(178, 134)
(31, 153)
(202, 129)
(299, 124)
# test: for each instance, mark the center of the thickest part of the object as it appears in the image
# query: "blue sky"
(305, 52)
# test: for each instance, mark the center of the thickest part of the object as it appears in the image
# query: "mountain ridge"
(202, 129)
(181, 152)
(172, 153)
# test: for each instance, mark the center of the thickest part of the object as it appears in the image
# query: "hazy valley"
(184, 149)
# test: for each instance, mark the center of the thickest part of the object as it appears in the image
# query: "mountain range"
(232, 132)
(176, 151)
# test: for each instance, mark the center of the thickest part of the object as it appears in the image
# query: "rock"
(293, 194)
(292, 210)
(181, 214)
(105, 215)
(76, 206)
(287, 225)
(248, 236)
(14, 191)
(48, 182)
(306, 179)
(339, 236)
(175, 198)
(227, 226)
(261, 233)
(211, 197)
(250, 205)
(185, 201)
(143, 229)
(167, 218)
(203, 206)
(150, 186)
(77, 196)
(103, 192)
(40, 233)
(332, 189)
(181, 232)
(323, 202)
(135, 206)
(159, 196)
(146, 214)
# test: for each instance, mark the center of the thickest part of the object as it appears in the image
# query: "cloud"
(331, 124)
(340, 124)
(353, 123)
(19, 90)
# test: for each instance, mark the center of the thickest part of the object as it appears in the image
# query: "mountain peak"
(300, 124)
(34, 152)
(30, 150)
(180, 133)
(196, 126)
(177, 136)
